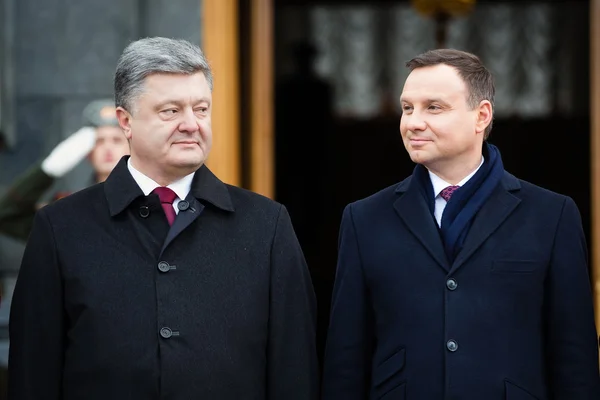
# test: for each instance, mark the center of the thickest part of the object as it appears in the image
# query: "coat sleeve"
(36, 324)
(348, 353)
(292, 355)
(18, 205)
(572, 342)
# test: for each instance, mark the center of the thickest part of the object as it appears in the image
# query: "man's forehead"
(100, 113)
(160, 79)
(108, 131)
(417, 96)
(434, 78)
(433, 83)
(161, 91)
(107, 112)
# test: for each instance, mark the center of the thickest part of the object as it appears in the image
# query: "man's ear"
(484, 116)
(124, 118)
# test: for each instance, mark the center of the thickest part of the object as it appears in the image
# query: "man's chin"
(105, 169)
(188, 163)
(419, 157)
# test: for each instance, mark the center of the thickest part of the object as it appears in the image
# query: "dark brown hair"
(479, 80)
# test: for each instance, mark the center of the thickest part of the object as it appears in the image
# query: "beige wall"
(220, 43)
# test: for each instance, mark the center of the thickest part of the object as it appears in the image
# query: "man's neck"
(163, 178)
(455, 172)
(101, 178)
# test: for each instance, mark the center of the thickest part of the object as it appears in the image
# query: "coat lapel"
(121, 192)
(187, 214)
(206, 189)
(493, 213)
(412, 209)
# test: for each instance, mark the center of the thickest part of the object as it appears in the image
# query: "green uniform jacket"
(19, 204)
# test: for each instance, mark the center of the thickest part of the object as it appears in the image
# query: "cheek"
(402, 126)
(116, 149)
(96, 155)
(205, 125)
(450, 135)
(158, 136)
(149, 130)
(93, 155)
(443, 126)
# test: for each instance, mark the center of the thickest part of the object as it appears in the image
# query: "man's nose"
(414, 121)
(188, 121)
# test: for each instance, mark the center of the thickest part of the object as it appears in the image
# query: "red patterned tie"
(448, 191)
(167, 196)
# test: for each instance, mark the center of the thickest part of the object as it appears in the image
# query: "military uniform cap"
(100, 113)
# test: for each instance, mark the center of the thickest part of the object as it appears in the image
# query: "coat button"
(452, 345)
(166, 332)
(164, 266)
(144, 212)
(451, 284)
(183, 205)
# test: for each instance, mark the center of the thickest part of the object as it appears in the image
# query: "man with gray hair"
(163, 282)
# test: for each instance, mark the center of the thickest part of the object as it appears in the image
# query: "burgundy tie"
(167, 196)
(447, 192)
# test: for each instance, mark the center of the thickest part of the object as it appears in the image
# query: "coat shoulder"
(251, 202)
(79, 200)
(540, 195)
(384, 197)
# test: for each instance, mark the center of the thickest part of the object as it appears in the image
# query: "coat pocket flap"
(398, 393)
(389, 367)
(516, 267)
(514, 392)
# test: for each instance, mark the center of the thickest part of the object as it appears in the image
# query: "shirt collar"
(181, 187)
(439, 184)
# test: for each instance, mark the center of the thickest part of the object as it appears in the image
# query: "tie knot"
(165, 194)
(447, 192)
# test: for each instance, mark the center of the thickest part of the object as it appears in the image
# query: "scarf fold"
(465, 202)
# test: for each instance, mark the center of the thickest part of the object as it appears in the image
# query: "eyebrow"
(428, 101)
(179, 102)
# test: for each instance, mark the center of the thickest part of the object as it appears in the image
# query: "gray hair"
(157, 55)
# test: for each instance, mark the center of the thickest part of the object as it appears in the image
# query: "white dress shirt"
(181, 187)
(438, 185)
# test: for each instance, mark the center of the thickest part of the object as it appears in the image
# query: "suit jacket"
(510, 318)
(113, 303)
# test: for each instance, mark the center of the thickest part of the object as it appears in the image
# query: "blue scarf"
(465, 201)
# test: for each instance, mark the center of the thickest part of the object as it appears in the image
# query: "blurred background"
(306, 106)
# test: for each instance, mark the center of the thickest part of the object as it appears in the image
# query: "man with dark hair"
(462, 281)
(163, 282)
